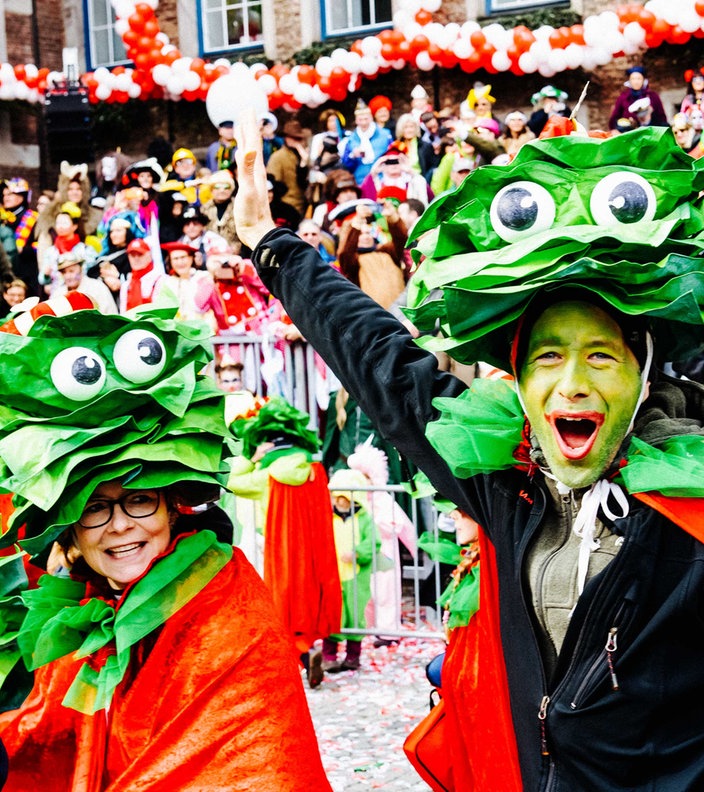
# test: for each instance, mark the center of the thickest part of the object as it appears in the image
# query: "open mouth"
(125, 551)
(575, 433)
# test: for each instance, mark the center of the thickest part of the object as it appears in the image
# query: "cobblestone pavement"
(363, 717)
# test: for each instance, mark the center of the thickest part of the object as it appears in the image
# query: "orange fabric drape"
(213, 700)
(300, 563)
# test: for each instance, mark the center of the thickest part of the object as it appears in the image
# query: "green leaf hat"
(620, 217)
(89, 398)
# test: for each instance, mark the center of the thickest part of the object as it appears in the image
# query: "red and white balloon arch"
(161, 71)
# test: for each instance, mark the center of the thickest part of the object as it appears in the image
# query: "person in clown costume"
(158, 660)
(577, 267)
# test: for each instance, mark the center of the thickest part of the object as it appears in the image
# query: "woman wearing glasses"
(158, 661)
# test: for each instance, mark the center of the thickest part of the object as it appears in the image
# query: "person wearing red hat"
(394, 169)
(198, 297)
(381, 107)
(144, 279)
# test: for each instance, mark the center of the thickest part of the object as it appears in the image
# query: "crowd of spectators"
(127, 231)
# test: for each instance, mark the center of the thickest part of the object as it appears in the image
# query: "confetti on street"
(363, 717)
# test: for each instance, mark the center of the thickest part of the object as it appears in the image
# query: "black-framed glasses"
(137, 504)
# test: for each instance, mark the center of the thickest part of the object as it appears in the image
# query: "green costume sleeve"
(292, 469)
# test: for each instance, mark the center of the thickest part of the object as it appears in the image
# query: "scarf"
(65, 616)
(24, 229)
(134, 287)
(66, 243)
(365, 143)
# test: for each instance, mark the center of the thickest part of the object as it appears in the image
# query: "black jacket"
(646, 735)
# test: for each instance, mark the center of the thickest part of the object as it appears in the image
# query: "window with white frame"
(228, 24)
(344, 16)
(497, 6)
(104, 44)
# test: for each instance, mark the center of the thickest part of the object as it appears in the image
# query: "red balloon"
(145, 44)
(136, 21)
(404, 50)
(338, 76)
(20, 72)
(699, 8)
(151, 28)
(118, 70)
(419, 43)
(434, 52)
(577, 34)
(389, 52)
(357, 47)
(523, 37)
(306, 74)
(386, 36)
(448, 60)
(130, 37)
(678, 36)
(154, 56)
(472, 63)
(174, 55)
(325, 84)
(198, 66)
(423, 17)
(145, 10)
(142, 61)
(478, 39)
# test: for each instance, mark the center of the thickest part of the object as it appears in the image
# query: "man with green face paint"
(586, 477)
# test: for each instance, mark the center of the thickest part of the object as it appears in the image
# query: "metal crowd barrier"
(418, 581)
(274, 367)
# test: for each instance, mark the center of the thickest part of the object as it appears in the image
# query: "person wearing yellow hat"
(183, 177)
(481, 101)
(68, 238)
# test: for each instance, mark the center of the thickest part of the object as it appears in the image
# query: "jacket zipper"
(602, 666)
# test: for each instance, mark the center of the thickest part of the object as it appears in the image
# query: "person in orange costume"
(160, 663)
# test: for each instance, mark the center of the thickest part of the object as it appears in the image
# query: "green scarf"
(59, 620)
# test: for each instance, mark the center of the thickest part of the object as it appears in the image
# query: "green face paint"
(580, 384)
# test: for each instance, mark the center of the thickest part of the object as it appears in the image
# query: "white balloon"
(123, 8)
(229, 95)
(7, 92)
(462, 48)
(102, 92)
(601, 57)
(121, 27)
(7, 74)
(57, 77)
(500, 61)
(33, 96)
(287, 84)
(573, 56)
(122, 82)
(689, 20)
(319, 97)
(161, 73)
(469, 27)
(324, 66)
(222, 62)
(255, 68)
(411, 30)
(21, 90)
(371, 46)
(424, 62)
(31, 70)
(303, 93)
(527, 63)
(368, 66)
(557, 61)
(609, 19)
(175, 85)
(431, 5)
(338, 56)
(267, 83)
(101, 74)
(191, 81)
(134, 91)
(153, 4)
(181, 65)
(397, 64)
(161, 37)
(545, 70)
(240, 70)
(353, 63)
(544, 32)
(540, 50)
(634, 33)
(496, 35)
(402, 19)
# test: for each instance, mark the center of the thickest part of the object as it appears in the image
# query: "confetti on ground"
(363, 717)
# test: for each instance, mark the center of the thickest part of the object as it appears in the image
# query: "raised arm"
(374, 357)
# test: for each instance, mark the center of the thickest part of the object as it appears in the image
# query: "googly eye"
(622, 198)
(78, 373)
(521, 207)
(139, 356)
